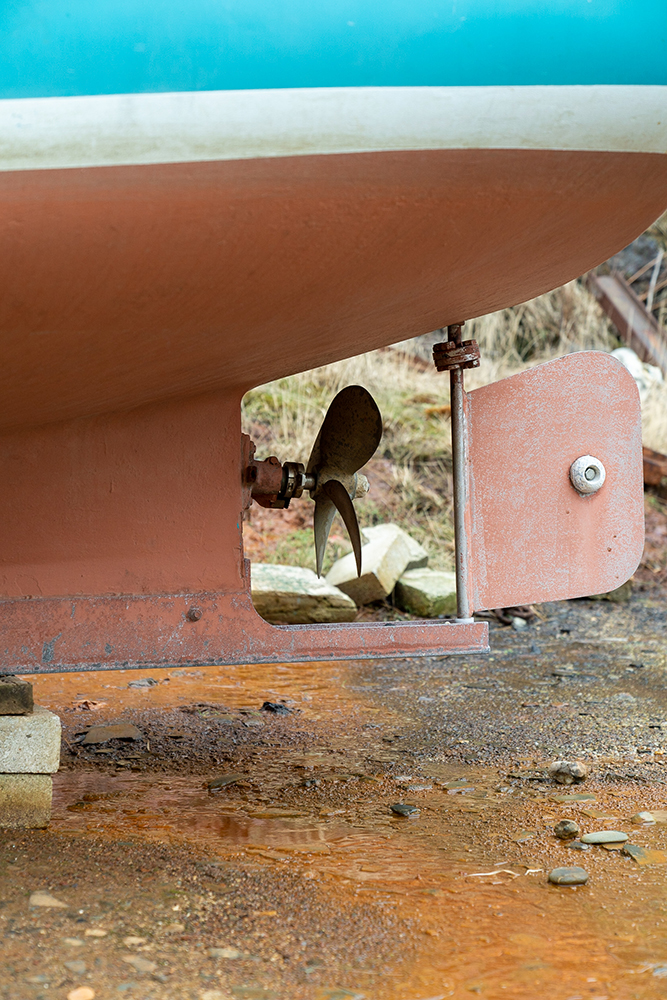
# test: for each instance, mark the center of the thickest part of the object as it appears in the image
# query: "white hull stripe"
(59, 132)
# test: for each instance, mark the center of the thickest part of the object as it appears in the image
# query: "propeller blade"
(325, 510)
(349, 435)
(341, 498)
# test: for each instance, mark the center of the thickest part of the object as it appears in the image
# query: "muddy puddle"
(257, 855)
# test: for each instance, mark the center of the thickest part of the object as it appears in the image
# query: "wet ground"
(292, 878)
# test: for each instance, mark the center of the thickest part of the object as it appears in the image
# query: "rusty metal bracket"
(454, 353)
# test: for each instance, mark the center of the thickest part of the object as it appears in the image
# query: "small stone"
(43, 898)
(15, 695)
(81, 993)
(143, 682)
(522, 836)
(565, 829)
(139, 963)
(95, 932)
(173, 928)
(568, 772)
(402, 809)
(117, 731)
(418, 554)
(605, 837)
(228, 953)
(428, 593)
(383, 561)
(295, 596)
(275, 708)
(214, 995)
(574, 797)
(576, 845)
(643, 817)
(77, 967)
(133, 942)
(644, 855)
(568, 876)
(73, 942)
(224, 780)
(519, 624)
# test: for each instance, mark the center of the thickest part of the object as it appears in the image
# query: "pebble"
(276, 708)
(568, 876)
(229, 953)
(604, 837)
(145, 682)
(77, 967)
(81, 993)
(224, 780)
(519, 624)
(41, 898)
(214, 995)
(116, 731)
(73, 942)
(644, 855)
(565, 829)
(577, 845)
(568, 772)
(95, 932)
(139, 963)
(643, 817)
(402, 809)
(133, 942)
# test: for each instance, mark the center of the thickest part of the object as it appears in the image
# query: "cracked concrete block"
(30, 744)
(25, 800)
(294, 596)
(418, 554)
(427, 593)
(383, 560)
(15, 695)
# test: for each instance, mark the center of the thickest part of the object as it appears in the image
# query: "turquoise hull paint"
(54, 48)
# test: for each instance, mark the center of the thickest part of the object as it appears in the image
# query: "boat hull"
(133, 283)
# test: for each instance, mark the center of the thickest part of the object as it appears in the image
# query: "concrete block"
(418, 554)
(383, 560)
(30, 744)
(427, 593)
(25, 800)
(15, 695)
(290, 595)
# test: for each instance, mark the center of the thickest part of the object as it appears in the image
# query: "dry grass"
(410, 481)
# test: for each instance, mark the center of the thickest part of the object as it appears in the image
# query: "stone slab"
(428, 593)
(25, 801)
(418, 554)
(15, 695)
(30, 744)
(383, 560)
(290, 595)
(604, 837)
